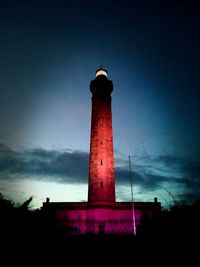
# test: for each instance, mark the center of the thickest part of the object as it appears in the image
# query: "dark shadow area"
(27, 232)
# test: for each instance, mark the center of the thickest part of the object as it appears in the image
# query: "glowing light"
(101, 72)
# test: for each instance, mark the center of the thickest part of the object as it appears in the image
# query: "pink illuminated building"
(101, 214)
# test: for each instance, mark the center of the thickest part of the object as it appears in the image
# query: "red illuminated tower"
(101, 214)
(101, 166)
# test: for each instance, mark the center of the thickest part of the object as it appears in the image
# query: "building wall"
(99, 220)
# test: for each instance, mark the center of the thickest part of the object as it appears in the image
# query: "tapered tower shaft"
(101, 164)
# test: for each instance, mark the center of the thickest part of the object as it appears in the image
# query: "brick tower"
(101, 214)
(101, 165)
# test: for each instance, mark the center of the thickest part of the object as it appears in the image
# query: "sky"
(49, 53)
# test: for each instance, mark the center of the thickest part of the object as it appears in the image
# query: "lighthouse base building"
(101, 214)
(117, 218)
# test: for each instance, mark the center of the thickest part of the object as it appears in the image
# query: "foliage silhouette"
(28, 229)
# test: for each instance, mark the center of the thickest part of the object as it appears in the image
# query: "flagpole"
(133, 208)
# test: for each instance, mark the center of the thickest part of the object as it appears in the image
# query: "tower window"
(101, 162)
(101, 141)
(101, 183)
(101, 121)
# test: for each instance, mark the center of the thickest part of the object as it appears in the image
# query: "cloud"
(190, 169)
(68, 166)
(145, 179)
(71, 166)
(172, 161)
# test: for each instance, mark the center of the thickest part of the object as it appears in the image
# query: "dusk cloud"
(146, 180)
(190, 169)
(68, 166)
(187, 169)
(71, 166)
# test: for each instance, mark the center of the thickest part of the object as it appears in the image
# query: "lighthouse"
(101, 184)
(101, 214)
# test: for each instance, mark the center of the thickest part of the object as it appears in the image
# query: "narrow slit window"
(101, 184)
(101, 162)
(101, 141)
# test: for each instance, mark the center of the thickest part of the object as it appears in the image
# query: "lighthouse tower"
(101, 214)
(101, 166)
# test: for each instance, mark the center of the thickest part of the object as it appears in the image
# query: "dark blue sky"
(49, 52)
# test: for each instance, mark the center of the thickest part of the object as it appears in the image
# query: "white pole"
(133, 209)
